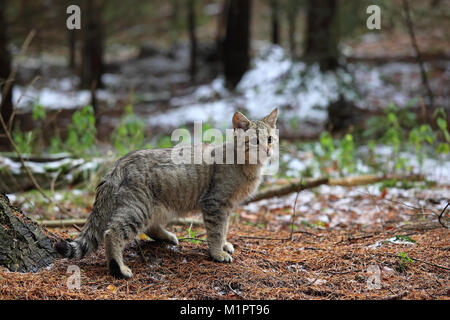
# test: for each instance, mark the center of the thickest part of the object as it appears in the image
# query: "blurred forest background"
(352, 101)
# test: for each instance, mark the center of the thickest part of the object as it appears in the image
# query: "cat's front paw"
(228, 247)
(119, 272)
(221, 256)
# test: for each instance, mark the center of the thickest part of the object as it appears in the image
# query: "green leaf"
(442, 124)
(443, 148)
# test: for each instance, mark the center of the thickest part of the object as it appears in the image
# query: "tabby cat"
(145, 190)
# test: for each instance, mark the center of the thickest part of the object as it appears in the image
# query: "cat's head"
(256, 134)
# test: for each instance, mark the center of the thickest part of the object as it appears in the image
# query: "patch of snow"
(273, 81)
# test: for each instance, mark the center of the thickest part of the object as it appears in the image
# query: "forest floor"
(396, 252)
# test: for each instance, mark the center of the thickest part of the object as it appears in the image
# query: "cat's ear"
(271, 119)
(240, 121)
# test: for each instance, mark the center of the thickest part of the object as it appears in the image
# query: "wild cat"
(145, 190)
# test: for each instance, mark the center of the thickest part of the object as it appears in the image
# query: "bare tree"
(92, 47)
(192, 38)
(321, 43)
(236, 45)
(412, 35)
(72, 39)
(292, 12)
(274, 13)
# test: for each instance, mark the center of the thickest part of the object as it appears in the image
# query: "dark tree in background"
(5, 69)
(274, 13)
(72, 39)
(321, 39)
(292, 12)
(92, 47)
(321, 46)
(192, 38)
(71, 34)
(236, 45)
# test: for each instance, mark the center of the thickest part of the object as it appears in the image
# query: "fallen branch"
(61, 223)
(430, 264)
(291, 187)
(295, 185)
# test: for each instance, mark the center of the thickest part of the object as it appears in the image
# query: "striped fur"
(145, 190)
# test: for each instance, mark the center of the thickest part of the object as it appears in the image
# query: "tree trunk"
(291, 18)
(24, 246)
(92, 47)
(236, 45)
(275, 21)
(192, 39)
(72, 48)
(321, 43)
(6, 105)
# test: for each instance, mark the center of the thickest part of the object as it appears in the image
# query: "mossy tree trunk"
(24, 246)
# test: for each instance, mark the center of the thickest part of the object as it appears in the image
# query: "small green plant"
(404, 238)
(418, 136)
(325, 151)
(38, 112)
(31, 141)
(23, 140)
(372, 159)
(56, 145)
(307, 224)
(191, 236)
(129, 135)
(293, 122)
(327, 145)
(346, 156)
(394, 134)
(82, 131)
(404, 261)
(441, 120)
(165, 142)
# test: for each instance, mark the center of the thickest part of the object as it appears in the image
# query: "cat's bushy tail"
(92, 233)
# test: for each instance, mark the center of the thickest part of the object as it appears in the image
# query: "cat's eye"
(270, 140)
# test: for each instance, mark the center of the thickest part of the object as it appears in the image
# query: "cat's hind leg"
(114, 244)
(158, 232)
(124, 227)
